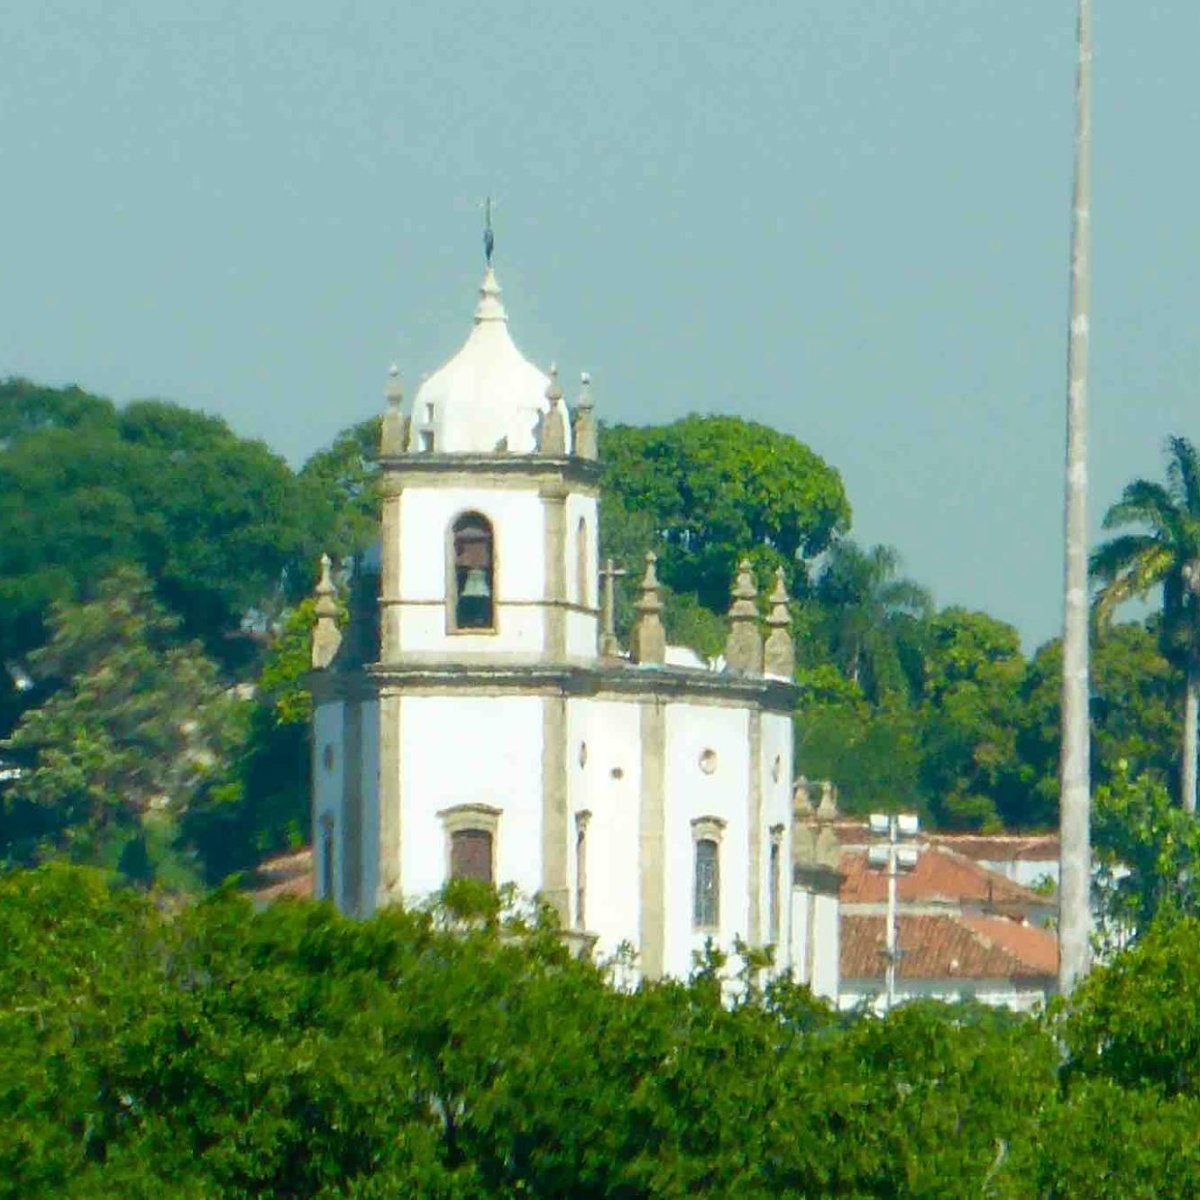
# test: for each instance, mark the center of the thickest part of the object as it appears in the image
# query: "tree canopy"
(711, 489)
(216, 521)
(459, 1051)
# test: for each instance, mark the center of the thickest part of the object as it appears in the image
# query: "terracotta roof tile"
(983, 847)
(940, 876)
(949, 947)
(1004, 847)
(283, 875)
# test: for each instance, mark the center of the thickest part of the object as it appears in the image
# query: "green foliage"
(710, 489)
(134, 724)
(873, 619)
(1164, 554)
(1147, 852)
(259, 802)
(214, 520)
(459, 1051)
(970, 702)
(1135, 718)
(345, 475)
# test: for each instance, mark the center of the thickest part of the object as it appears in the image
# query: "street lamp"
(898, 853)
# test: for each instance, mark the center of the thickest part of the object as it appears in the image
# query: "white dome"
(488, 398)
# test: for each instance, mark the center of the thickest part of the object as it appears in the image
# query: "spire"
(744, 644)
(649, 637)
(554, 423)
(489, 235)
(489, 307)
(584, 424)
(326, 637)
(393, 438)
(780, 652)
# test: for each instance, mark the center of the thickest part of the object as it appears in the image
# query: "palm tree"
(873, 614)
(1165, 554)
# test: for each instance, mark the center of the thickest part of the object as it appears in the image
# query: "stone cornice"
(600, 680)
(500, 468)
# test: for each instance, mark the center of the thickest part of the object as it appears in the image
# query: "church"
(477, 717)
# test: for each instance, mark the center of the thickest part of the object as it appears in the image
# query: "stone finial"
(828, 852)
(326, 636)
(779, 654)
(393, 438)
(584, 424)
(827, 810)
(801, 800)
(744, 643)
(649, 637)
(554, 423)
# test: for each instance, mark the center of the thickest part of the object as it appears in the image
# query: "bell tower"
(490, 516)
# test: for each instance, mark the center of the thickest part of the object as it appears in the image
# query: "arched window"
(472, 573)
(582, 561)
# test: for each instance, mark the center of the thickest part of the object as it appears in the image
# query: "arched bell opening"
(472, 597)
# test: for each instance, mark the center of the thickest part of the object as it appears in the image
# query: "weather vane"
(489, 237)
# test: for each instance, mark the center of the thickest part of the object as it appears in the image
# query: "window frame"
(453, 598)
(706, 831)
(470, 818)
(775, 877)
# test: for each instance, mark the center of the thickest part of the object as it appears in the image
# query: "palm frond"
(1119, 554)
(1183, 473)
(1143, 502)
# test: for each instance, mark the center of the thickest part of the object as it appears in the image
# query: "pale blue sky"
(845, 218)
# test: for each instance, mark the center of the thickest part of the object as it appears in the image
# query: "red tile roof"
(1001, 847)
(949, 947)
(983, 847)
(941, 876)
(284, 875)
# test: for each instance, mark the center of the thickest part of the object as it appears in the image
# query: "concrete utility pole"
(898, 853)
(1075, 863)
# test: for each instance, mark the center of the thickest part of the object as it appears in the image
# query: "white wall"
(370, 805)
(518, 525)
(691, 729)
(470, 750)
(607, 783)
(776, 776)
(1000, 993)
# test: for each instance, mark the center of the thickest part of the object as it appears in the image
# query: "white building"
(476, 719)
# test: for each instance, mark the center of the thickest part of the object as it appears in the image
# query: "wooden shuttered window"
(471, 855)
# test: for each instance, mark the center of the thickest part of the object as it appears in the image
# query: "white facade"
(471, 725)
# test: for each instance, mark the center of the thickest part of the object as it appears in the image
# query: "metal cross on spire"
(489, 236)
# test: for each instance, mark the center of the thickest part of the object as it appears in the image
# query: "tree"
(258, 799)
(346, 475)
(873, 617)
(970, 703)
(1165, 554)
(711, 489)
(1134, 718)
(1147, 855)
(218, 523)
(134, 724)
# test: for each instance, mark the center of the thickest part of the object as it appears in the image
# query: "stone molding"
(500, 470)
(601, 681)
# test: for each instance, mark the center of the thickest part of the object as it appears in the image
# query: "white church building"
(477, 716)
